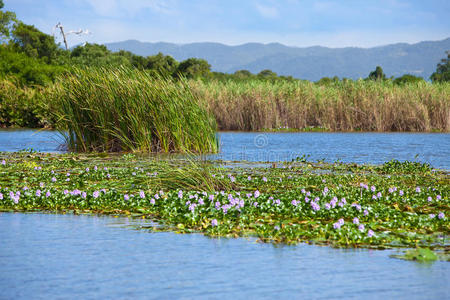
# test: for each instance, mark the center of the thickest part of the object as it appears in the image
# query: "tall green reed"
(129, 110)
(341, 106)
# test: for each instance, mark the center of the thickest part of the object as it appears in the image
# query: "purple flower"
(257, 194)
(152, 201)
(211, 197)
(341, 221)
(87, 169)
(66, 192)
(214, 222)
(126, 197)
(200, 201)
(303, 191)
(370, 233)
(429, 199)
(417, 189)
(438, 197)
(41, 184)
(38, 193)
(432, 216)
(95, 194)
(264, 179)
(294, 202)
(95, 168)
(48, 194)
(277, 202)
(83, 195)
(255, 204)
(3, 162)
(401, 193)
(276, 227)
(134, 173)
(379, 195)
(1, 196)
(355, 220)
(361, 227)
(372, 188)
(315, 206)
(180, 194)
(142, 194)
(337, 225)
(366, 212)
(108, 175)
(441, 215)
(156, 196)
(249, 178)
(327, 206)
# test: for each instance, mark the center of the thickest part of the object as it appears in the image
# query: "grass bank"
(398, 204)
(128, 110)
(255, 105)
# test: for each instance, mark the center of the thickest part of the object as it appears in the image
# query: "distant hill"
(310, 63)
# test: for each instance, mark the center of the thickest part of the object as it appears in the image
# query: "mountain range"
(311, 63)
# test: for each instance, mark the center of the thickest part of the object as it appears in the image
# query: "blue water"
(373, 148)
(46, 256)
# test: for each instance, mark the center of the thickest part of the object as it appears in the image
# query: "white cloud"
(266, 11)
(116, 8)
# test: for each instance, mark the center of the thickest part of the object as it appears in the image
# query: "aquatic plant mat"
(394, 205)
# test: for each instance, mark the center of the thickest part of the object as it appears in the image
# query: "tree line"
(31, 57)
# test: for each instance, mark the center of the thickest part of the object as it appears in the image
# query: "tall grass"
(342, 106)
(127, 110)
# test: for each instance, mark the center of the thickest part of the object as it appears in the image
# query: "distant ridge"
(310, 63)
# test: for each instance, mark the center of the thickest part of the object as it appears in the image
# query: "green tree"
(164, 65)
(34, 42)
(407, 78)
(267, 74)
(377, 74)
(7, 20)
(243, 74)
(194, 68)
(95, 55)
(25, 69)
(443, 70)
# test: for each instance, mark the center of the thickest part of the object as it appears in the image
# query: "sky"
(301, 23)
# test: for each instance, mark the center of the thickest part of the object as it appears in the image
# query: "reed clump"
(128, 110)
(341, 106)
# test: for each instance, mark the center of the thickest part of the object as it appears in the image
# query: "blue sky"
(333, 23)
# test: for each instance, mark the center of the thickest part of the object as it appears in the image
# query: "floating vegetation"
(128, 110)
(343, 205)
(422, 255)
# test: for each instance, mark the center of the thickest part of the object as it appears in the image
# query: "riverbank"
(343, 205)
(260, 105)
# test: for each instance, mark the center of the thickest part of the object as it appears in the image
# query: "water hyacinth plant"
(129, 110)
(340, 205)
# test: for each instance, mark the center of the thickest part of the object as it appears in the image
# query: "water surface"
(65, 256)
(372, 148)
